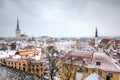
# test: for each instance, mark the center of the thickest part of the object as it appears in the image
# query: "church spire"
(18, 24)
(96, 37)
(18, 31)
(96, 33)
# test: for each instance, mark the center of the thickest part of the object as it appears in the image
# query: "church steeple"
(96, 33)
(96, 37)
(17, 31)
(18, 24)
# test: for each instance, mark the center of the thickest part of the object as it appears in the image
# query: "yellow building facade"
(34, 67)
(26, 64)
(85, 64)
(69, 73)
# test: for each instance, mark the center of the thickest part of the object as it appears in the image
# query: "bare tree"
(68, 63)
(52, 58)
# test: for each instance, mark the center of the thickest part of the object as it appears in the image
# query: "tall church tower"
(18, 31)
(96, 37)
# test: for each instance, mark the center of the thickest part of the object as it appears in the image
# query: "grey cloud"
(49, 16)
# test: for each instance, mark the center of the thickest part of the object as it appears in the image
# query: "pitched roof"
(104, 41)
(90, 58)
(117, 44)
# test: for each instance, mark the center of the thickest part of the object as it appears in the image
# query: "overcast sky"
(60, 18)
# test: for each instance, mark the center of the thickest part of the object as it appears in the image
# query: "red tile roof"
(117, 44)
(104, 41)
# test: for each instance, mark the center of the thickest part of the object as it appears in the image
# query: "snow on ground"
(78, 76)
(12, 74)
(56, 78)
(94, 76)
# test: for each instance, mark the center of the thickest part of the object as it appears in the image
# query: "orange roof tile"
(24, 53)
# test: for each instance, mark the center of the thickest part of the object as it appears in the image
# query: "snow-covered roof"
(5, 54)
(106, 63)
(13, 55)
(64, 45)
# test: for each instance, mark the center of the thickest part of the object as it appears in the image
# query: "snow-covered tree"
(52, 58)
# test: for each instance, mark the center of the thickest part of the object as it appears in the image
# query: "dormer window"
(84, 61)
(98, 63)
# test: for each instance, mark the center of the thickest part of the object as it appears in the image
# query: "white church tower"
(18, 31)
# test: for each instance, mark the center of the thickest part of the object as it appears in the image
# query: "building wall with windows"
(69, 73)
(86, 63)
(33, 67)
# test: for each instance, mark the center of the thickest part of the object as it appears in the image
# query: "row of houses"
(101, 59)
(76, 63)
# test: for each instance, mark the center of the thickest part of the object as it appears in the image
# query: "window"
(28, 64)
(100, 73)
(15, 66)
(80, 70)
(37, 65)
(93, 71)
(23, 69)
(41, 69)
(41, 64)
(98, 63)
(32, 69)
(83, 62)
(23, 64)
(32, 66)
(42, 75)
(86, 70)
(110, 74)
(37, 70)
